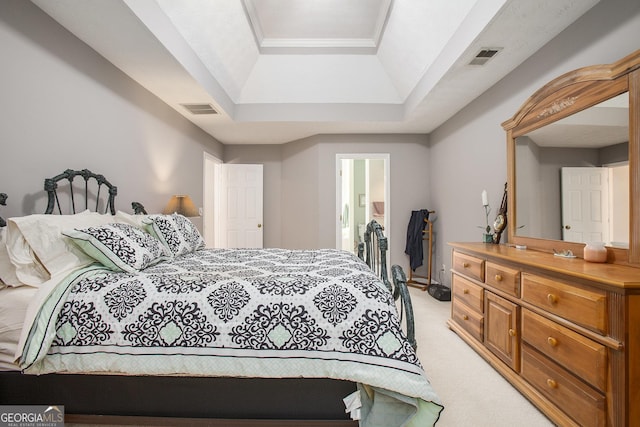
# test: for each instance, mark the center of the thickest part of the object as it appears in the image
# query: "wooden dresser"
(564, 332)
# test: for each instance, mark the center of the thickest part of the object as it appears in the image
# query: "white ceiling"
(282, 70)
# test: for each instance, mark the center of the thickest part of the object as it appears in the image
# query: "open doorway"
(362, 194)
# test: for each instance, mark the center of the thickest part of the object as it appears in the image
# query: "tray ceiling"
(317, 26)
(276, 71)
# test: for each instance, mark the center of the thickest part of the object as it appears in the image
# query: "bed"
(132, 320)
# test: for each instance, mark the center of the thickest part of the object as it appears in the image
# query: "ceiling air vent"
(485, 55)
(200, 108)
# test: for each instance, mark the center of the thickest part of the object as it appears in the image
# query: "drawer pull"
(552, 341)
(465, 265)
(552, 383)
(512, 332)
(552, 298)
(465, 291)
(465, 317)
(498, 278)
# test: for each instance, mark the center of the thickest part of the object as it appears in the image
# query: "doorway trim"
(209, 218)
(386, 157)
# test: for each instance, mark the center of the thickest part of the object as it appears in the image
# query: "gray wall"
(63, 106)
(300, 190)
(468, 153)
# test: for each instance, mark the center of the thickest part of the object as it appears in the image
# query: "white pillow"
(38, 249)
(7, 270)
(132, 219)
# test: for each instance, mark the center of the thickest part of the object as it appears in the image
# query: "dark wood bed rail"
(51, 187)
(184, 401)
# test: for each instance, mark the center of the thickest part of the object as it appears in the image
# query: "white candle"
(485, 198)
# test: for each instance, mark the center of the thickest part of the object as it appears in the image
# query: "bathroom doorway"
(362, 194)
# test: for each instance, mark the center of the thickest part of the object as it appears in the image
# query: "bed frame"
(3, 202)
(194, 401)
(51, 187)
(374, 252)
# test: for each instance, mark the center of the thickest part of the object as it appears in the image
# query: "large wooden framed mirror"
(573, 159)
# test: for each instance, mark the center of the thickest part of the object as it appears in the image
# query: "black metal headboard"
(51, 187)
(3, 202)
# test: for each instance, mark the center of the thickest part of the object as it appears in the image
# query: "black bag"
(439, 292)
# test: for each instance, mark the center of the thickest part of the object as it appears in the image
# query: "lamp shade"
(181, 204)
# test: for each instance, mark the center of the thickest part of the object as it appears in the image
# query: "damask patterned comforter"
(230, 312)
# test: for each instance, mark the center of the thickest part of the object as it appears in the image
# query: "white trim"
(312, 43)
(209, 180)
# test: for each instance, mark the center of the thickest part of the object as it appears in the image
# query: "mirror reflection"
(572, 177)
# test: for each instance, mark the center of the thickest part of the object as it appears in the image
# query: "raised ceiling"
(318, 26)
(281, 70)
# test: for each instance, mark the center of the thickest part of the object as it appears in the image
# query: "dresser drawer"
(586, 307)
(585, 405)
(580, 355)
(468, 292)
(469, 265)
(503, 278)
(469, 319)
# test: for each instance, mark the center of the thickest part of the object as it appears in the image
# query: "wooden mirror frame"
(566, 95)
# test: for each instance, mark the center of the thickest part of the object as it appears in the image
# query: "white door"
(240, 209)
(585, 204)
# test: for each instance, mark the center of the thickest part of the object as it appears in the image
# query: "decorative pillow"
(120, 247)
(176, 232)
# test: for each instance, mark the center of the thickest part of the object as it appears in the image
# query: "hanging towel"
(378, 208)
(415, 228)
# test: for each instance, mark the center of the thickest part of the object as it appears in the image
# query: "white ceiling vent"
(200, 108)
(485, 54)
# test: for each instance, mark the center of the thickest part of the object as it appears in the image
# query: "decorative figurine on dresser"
(565, 331)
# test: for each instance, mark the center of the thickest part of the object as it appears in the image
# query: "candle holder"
(487, 236)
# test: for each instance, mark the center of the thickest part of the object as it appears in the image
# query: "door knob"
(259, 225)
(568, 227)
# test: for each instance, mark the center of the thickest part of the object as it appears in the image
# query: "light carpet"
(473, 393)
